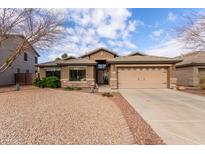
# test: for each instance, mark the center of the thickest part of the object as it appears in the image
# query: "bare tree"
(36, 27)
(192, 33)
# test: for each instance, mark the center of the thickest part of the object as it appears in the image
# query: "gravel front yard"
(46, 116)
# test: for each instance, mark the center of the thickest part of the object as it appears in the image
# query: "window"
(25, 57)
(77, 74)
(18, 70)
(53, 73)
(36, 60)
(101, 66)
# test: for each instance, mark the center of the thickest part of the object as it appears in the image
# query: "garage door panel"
(142, 78)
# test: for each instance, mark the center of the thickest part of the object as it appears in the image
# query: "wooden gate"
(24, 78)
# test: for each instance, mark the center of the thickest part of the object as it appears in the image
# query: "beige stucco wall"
(171, 77)
(113, 76)
(64, 73)
(189, 76)
(42, 72)
(101, 55)
(89, 77)
(185, 76)
(7, 47)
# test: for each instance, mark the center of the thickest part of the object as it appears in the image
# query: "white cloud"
(171, 48)
(92, 28)
(158, 33)
(108, 23)
(171, 17)
(126, 44)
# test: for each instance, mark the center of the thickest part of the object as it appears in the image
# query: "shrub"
(105, 78)
(49, 82)
(72, 88)
(108, 94)
(202, 83)
(36, 82)
(69, 88)
(41, 84)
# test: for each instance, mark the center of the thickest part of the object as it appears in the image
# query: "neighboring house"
(103, 66)
(191, 69)
(24, 63)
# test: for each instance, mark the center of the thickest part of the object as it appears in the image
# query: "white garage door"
(142, 77)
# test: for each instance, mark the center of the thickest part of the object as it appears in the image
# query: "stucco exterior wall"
(6, 49)
(90, 81)
(190, 76)
(185, 76)
(42, 72)
(172, 79)
(113, 76)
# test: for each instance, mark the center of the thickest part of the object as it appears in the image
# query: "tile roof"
(143, 59)
(50, 63)
(77, 61)
(197, 57)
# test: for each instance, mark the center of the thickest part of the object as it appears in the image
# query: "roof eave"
(42, 65)
(77, 64)
(143, 62)
(190, 64)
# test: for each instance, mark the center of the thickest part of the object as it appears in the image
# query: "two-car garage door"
(142, 77)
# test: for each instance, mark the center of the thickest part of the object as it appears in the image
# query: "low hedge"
(48, 82)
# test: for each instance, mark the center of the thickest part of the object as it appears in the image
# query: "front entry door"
(100, 76)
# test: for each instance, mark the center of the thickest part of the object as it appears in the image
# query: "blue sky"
(150, 31)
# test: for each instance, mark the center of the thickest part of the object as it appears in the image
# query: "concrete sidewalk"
(178, 117)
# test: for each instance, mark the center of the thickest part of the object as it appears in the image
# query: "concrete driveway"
(178, 117)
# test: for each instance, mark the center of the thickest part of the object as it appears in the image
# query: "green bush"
(36, 82)
(72, 88)
(49, 82)
(105, 78)
(202, 83)
(41, 84)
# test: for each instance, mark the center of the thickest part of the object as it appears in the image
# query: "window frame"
(18, 70)
(36, 60)
(25, 56)
(77, 68)
(101, 66)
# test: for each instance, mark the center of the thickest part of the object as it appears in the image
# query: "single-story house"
(103, 66)
(191, 69)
